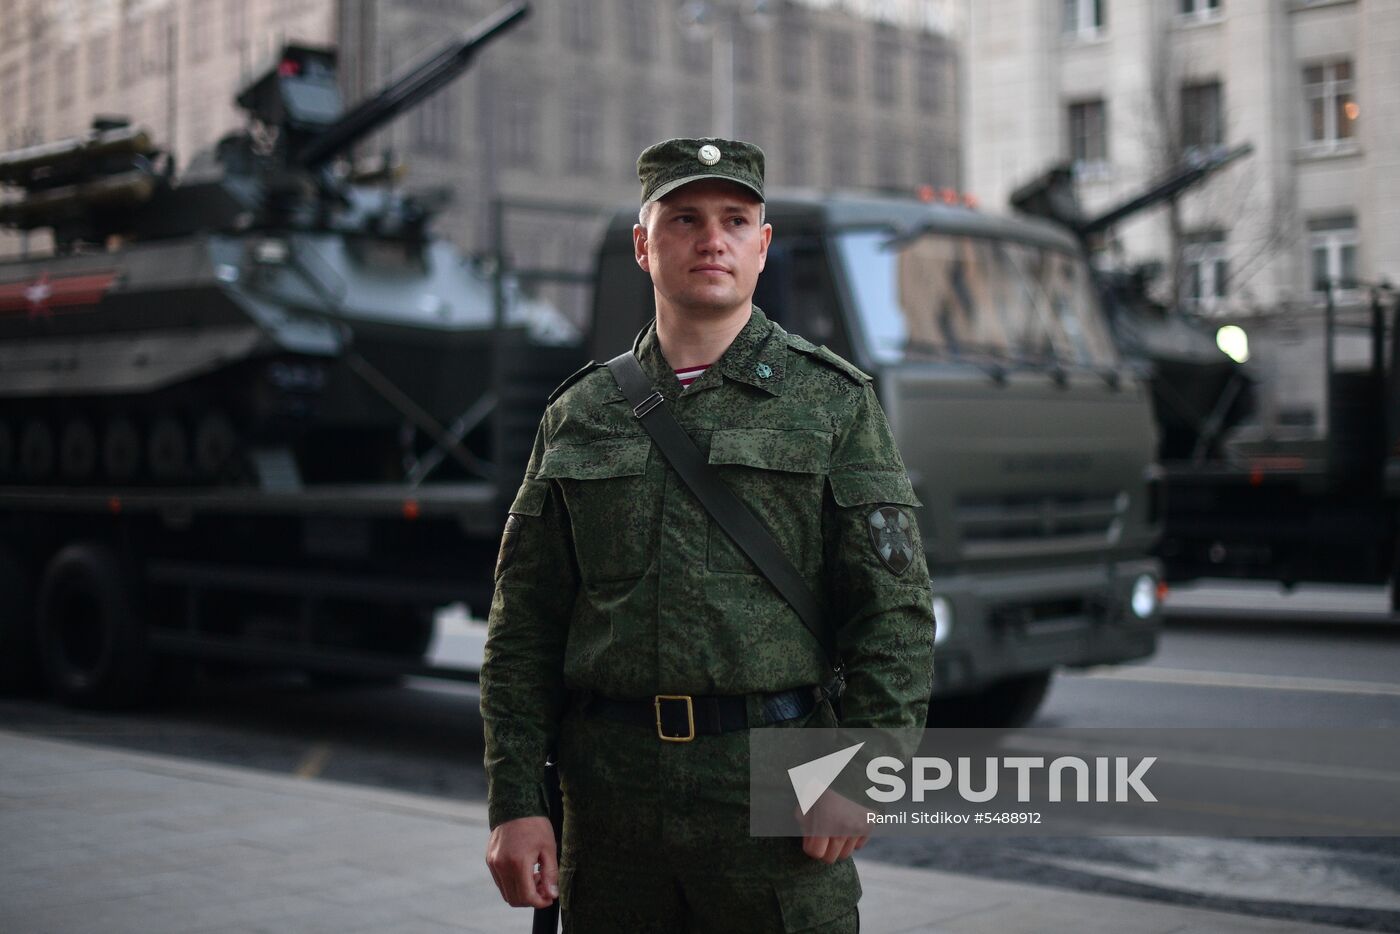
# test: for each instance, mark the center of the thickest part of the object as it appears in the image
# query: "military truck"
(1028, 441)
(1236, 502)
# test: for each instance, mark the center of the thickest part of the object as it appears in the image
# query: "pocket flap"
(612, 457)
(795, 450)
(855, 487)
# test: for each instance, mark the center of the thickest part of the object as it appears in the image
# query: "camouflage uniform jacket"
(613, 579)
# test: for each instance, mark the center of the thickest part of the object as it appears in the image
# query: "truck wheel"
(92, 640)
(1009, 703)
(167, 449)
(121, 449)
(19, 662)
(77, 450)
(7, 450)
(36, 450)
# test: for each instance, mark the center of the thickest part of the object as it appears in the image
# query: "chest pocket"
(780, 474)
(612, 514)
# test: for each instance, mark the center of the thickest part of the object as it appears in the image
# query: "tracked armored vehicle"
(270, 317)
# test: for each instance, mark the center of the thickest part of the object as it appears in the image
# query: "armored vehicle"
(270, 317)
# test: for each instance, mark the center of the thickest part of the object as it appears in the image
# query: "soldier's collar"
(758, 355)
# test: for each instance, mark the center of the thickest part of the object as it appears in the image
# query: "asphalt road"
(427, 738)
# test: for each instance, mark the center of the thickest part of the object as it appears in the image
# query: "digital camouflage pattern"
(612, 579)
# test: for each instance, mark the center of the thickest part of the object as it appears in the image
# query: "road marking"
(1236, 679)
(314, 761)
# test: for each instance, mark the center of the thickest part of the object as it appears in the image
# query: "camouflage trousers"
(656, 839)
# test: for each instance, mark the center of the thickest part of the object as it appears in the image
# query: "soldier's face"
(704, 246)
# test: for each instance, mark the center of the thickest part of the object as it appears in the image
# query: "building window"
(132, 51)
(885, 64)
(1329, 91)
(201, 26)
(585, 137)
(433, 125)
(889, 162)
(638, 27)
(1206, 270)
(844, 161)
(580, 28)
(641, 133)
(1202, 118)
(1200, 9)
(1333, 244)
(235, 24)
(97, 64)
(840, 54)
(1088, 138)
(930, 78)
(797, 154)
(746, 53)
(793, 64)
(695, 51)
(520, 132)
(1083, 19)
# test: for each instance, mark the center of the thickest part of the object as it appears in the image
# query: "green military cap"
(668, 165)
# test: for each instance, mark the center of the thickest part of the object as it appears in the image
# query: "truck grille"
(1027, 523)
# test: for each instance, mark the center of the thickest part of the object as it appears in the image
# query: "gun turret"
(1052, 194)
(300, 96)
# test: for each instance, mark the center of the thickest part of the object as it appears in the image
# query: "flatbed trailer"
(102, 585)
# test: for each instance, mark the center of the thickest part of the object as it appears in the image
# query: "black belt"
(679, 718)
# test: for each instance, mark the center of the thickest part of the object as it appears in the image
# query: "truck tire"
(19, 660)
(1010, 703)
(92, 639)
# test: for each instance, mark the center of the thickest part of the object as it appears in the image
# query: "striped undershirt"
(691, 374)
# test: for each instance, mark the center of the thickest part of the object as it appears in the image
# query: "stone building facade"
(851, 94)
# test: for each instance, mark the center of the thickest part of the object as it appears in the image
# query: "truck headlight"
(1144, 600)
(942, 620)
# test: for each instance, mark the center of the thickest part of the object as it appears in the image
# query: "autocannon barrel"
(407, 91)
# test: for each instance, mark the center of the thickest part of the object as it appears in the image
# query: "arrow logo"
(811, 779)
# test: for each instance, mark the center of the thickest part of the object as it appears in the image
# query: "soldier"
(618, 598)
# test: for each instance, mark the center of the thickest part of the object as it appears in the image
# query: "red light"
(1162, 590)
(114, 505)
(411, 509)
(1256, 477)
(289, 68)
(950, 196)
(926, 193)
(970, 201)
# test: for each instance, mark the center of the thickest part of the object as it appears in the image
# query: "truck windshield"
(936, 295)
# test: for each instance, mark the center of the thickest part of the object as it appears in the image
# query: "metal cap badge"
(668, 165)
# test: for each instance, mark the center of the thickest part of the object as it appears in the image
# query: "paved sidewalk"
(94, 839)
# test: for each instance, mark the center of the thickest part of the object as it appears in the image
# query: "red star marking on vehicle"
(38, 296)
(45, 295)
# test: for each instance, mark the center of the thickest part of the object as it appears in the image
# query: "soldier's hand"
(833, 827)
(515, 849)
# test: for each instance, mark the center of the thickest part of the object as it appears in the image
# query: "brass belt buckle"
(689, 716)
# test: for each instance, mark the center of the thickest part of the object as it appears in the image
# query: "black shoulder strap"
(752, 537)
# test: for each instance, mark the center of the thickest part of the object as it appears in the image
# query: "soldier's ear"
(639, 246)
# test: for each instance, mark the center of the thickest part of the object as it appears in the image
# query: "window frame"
(1088, 167)
(1083, 20)
(1333, 236)
(1205, 258)
(1329, 92)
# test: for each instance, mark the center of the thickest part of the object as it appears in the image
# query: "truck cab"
(1028, 441)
